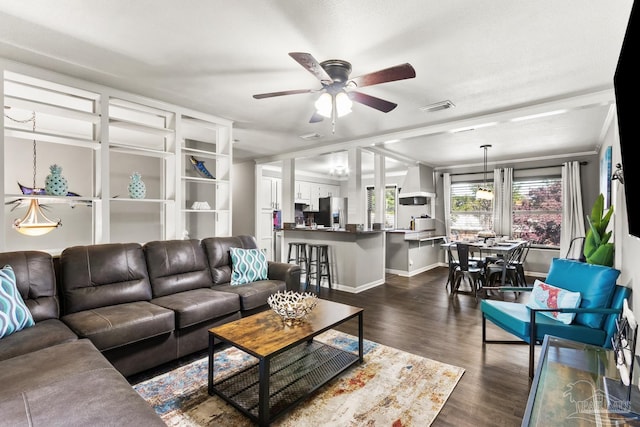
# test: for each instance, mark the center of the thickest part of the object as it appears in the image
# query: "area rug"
(391, 388)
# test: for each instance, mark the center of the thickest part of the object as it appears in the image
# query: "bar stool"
(319, 264)
(300, 258)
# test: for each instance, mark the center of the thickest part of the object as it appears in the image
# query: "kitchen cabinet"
(270, 193)
(265, 233)
(322, 190)
(303, 192)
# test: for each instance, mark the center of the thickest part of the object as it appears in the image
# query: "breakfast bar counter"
(357, 258)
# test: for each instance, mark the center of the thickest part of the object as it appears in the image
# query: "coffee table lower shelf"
(293, 375)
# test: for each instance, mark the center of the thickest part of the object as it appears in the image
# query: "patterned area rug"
(391, 388)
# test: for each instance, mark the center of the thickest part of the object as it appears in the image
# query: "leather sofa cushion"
(45, 333)
(36, 282)
(121, 324)
(254, 294)
(103, 275)
(199, 305)
(70, 384)
(176, 266)
(219, 258)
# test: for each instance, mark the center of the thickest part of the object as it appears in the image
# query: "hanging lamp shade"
(35, 222)
(484, 192)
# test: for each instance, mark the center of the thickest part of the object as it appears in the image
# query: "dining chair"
(507, 267)
(466, 269)
(453, 265)
(519, 263)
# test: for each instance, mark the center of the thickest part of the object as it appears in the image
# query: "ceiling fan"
(334, 77)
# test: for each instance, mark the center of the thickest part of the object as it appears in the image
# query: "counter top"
(407, 231)
(330, 230)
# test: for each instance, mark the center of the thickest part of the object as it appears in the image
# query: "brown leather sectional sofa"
(103, 312)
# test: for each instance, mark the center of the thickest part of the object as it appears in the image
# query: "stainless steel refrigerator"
(332, 211)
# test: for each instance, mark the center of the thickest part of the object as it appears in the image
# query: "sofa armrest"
(288, 273)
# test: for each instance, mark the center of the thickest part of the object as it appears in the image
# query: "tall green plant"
(597, 249)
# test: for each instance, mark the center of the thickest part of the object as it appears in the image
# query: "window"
(537, 210)
(390, 210)
(468, 214)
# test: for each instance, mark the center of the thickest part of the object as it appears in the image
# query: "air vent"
(309, 136)
(442, 105)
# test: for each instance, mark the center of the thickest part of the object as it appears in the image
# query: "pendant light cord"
(33, 120)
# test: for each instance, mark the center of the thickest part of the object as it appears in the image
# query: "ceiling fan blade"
(372, 101)
(316, 118)
(312, 65)
(399, 72)
(284, 92)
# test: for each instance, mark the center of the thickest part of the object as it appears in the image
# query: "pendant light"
(34, 222)
(484, 192)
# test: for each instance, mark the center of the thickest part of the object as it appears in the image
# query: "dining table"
(488, 250)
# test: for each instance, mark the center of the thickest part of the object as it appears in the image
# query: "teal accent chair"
(595, 321)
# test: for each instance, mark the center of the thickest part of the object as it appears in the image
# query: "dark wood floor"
(417, 315)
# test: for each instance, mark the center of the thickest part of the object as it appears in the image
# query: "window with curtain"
(537, 210)
(468, 214)
(536, 206)
(390, 210)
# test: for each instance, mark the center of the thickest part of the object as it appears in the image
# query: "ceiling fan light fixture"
(343, 104)
(324, 105)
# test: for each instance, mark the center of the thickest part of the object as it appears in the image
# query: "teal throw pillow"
(248, 265)
(544, 295)
(596, 284)
(14, 314)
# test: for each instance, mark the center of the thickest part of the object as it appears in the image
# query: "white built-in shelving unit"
(100, 136)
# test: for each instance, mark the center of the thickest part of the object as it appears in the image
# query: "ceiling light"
(473, 127)
(391, 141)
(343, 104)
(324, 105)
(484, 192)
(539, 115)
(437, 106)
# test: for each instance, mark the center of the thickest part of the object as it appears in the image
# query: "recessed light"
(539, 115)
(309, 136)
(391, 141)
(438, 106)
(473, 127)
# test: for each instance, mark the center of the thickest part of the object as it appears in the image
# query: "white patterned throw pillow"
(544, 295)
(248, 265)
(14, 314)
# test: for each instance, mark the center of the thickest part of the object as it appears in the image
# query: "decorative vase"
(55, 184)
(137, 189)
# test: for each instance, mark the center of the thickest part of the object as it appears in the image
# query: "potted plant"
(597, 248)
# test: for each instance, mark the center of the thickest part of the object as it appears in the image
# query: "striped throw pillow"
(248, 265)
(14, 314)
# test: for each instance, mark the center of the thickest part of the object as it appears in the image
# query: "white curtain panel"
(502, 209)
(572, 213)
(446, 185)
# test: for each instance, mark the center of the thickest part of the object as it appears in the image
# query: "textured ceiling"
(495, 60)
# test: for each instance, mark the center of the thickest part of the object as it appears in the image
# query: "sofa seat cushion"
(199, 305)
(515, 318)
(45, 333)
(70, 384)
(121, 324)
(254, 294)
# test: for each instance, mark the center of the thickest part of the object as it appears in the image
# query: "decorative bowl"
(292, 306)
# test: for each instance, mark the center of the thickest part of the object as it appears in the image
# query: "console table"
(578, 384)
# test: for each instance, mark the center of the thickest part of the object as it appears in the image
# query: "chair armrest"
(594, 310)
(288, 273)
(510, 289)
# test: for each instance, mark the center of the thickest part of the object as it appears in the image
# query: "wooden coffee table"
(290, 366)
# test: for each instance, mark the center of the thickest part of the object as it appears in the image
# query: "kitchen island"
(356, 258)
(410, 252)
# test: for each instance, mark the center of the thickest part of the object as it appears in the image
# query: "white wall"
(243, 190)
